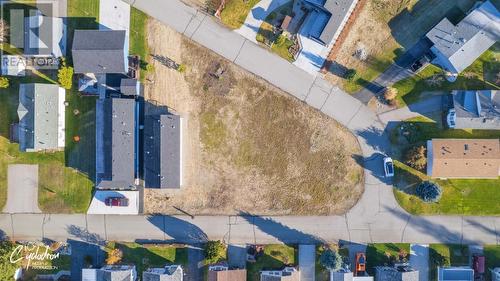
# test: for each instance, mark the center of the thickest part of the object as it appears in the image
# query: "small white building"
(110, 273)
(348, 276)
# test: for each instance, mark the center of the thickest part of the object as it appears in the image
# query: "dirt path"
(248, 147)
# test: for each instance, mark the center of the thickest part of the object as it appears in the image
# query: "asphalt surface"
(22, 192)
(396, 72)
(377, 217)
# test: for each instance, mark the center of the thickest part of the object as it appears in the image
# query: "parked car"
(450, 118)
(478, 264)
(360, 264)
(388, 167)
(116, 201)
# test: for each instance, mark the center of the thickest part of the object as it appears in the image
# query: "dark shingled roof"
(477, 109)
(119, 143)
(162, 151)
(99, 51)
(130, 87)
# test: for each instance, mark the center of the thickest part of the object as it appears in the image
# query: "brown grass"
(248, 146)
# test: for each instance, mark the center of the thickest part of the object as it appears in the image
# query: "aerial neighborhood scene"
(259, 140)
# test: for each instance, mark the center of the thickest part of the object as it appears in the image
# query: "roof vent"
(466, 146)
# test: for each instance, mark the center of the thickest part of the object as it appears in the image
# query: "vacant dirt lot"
(247, 146)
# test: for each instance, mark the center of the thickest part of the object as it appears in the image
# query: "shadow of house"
(424, 15)
(179, 230)
(82, 254)
(278, 230)
(423, 225)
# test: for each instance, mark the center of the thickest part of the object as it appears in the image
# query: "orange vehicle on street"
(360, 264)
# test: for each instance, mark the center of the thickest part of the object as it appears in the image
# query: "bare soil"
(248, 147)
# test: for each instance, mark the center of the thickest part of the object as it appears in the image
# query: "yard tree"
(331, 260)
(4, 82)
(390, 93)
(65, 75)
(114, 256)
(4, 30)
(429, 192)
(214, 250)
(416, 157)
(7, 268)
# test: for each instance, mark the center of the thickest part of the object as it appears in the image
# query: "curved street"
(377, 216)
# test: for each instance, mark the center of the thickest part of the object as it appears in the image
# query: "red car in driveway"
(116, 201)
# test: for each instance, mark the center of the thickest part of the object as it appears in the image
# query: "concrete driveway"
(307, 258)
(22, 194)
(115, 15)
(419, 260)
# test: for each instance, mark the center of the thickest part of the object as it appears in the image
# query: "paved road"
(419, 260)
(307, 262)
(377, 216)
(22, 192)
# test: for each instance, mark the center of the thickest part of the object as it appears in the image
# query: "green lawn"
(82, 14)
(492, 254)
(381, 254)
(275, 257)
(460, 196)
(138, 37)
(145, 256)
(236, 11)
(446, 255)
(323, 274)
(472, 78)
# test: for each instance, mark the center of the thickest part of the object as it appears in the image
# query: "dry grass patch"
(249, 147)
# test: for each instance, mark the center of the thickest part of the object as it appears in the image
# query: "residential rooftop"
(463, 158)
(477, 109)
(100, 51)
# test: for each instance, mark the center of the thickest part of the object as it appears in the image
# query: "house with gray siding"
(41, 113)
(116, 143)
(162, 151)
(167, 273)
(396, 273)
(478, 110)
(458, 46)
(44, 36)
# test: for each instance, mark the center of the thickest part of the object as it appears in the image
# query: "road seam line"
(404, 229)
(189, 23)
(348, 122)
(310, 88)
(105, 228)
(347, 226)
(238, 54)
(199, 25)
(12, 224)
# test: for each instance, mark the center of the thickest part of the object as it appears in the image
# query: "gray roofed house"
(457, 47)
(287, 274)
(130, 87)
(100, 51)
(168, 273)
(326, 18)
(110, 273)
(477, 109)
(44, 35)
(399, 273)
(116, 144)
(41, 112)
(163, 151)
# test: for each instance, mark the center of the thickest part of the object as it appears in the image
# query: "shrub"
(429, 192)
(331, 260)
(350, 74)
(181, 68)
(65, 75)
(416, 158)
(214, 250)
(7, 268)
(114, 256)
(390, 94)
(4, 82)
